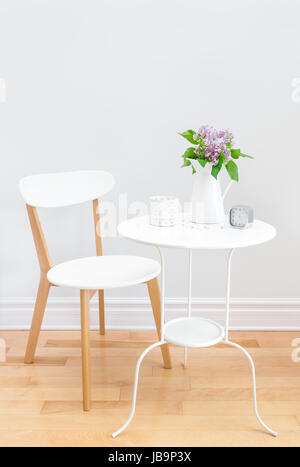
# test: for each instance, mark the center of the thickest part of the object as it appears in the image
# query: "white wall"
(107, 84)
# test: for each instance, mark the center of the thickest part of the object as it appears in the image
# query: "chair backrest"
(62, 189)
(65, 188)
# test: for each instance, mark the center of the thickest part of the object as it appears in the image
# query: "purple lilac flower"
(213, 143)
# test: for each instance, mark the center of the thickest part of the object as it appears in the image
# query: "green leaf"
(193, 169)
(235, 153)
(188, 134)
(202, 162)
(232, 170)
(216, 168)
(245, 155)
(186, 163)
(189, 154)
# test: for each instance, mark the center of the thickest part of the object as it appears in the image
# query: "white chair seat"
(104, 272)
(193, 332)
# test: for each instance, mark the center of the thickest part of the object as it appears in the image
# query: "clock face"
(238, 217)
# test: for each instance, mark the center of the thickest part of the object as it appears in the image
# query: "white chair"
(86, 274)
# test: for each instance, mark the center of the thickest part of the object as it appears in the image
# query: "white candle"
(164, 211)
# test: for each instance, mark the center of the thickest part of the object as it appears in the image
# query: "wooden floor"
(207, 404)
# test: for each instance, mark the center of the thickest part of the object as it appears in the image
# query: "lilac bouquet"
(212, 146)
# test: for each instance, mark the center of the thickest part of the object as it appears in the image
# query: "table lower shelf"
(193, 332)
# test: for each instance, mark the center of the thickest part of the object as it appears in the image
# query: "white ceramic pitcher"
(207, 198)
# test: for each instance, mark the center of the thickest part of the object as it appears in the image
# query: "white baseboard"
(135, 313)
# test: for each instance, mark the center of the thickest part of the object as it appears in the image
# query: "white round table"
(194, 331)
(196, 236)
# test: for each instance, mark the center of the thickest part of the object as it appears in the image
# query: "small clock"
(241, 217)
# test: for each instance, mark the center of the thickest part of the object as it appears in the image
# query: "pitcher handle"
(227, 189)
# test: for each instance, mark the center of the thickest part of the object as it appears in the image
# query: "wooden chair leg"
(154, 293)
(39, 310)
(85, 346)
(101, 312)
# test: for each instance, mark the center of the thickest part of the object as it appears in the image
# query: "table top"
(196, 236)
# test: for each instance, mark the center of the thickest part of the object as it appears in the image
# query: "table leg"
(189, 310)
(233, 344)
(135, 387)
(153, 346)
(228, 292)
